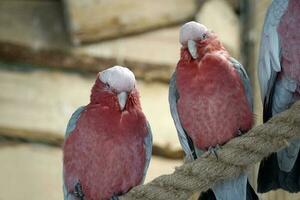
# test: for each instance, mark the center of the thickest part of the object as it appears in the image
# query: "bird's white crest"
(191, 31)
(119, 78)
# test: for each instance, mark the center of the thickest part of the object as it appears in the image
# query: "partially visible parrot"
(211, 102)
(279, 76)
(108, 142)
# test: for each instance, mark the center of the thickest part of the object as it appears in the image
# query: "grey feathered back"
(148, 146)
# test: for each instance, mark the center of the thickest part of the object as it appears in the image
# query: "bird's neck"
(211, 44)
(101, 96)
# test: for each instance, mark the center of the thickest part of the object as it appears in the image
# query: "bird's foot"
(78, 192)
(213, 150)
(239, 132)
(114, 198)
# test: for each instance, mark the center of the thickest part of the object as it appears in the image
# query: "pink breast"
(289, 29)
(212, 105)
(105, 153)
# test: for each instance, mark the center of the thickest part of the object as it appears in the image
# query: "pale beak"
(192, 48)
(122, 98)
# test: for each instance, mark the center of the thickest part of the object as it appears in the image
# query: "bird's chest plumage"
(288, 29)
(105, 152)
(211, 100)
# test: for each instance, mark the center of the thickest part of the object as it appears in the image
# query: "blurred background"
(51, 51)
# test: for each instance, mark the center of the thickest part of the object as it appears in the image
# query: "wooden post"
(248, 41)
(248, 55)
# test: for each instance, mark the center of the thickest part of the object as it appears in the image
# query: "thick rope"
(234, 157)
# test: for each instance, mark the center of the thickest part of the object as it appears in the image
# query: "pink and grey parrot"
(108, 142)
(279, 76)
(211, 102)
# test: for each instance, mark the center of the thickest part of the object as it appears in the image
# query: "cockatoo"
(211, 102)
(108, 142)
(279, 77)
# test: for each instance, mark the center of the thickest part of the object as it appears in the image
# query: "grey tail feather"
(209, 194)
(268, 101)
(191, 145)
(251, 194)
(270, 177)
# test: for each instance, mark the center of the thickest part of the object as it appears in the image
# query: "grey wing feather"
(287, 157)
(173, 98)
(282, 99)
(73, 120)
(70, 127)
(65, 191)
(148, 145)
(235, 188)
(269, 58)
(67, 196)
(245, 79)
(279, 93)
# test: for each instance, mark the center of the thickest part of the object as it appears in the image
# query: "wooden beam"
(91, 20)
(61, 59)
(35, 34)
(53, 139)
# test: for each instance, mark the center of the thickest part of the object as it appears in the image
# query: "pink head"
(197, 39)
(115, 83)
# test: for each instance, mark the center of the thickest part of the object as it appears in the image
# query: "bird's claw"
(214, 150)
(78, 192)
(114, 198)
(239, 132)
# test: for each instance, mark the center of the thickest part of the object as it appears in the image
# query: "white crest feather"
(191, 31)
(119, 78)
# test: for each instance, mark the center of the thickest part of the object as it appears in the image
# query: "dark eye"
(107, 85)
(204, 36)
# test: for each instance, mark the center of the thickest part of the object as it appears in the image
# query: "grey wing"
(287, 157)
(245, 79)
(234, 188)
(269, 57)
(70, 127)
(276, 95)
(282, 99)
(148, 146)
(173, 98)
(73, 120)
